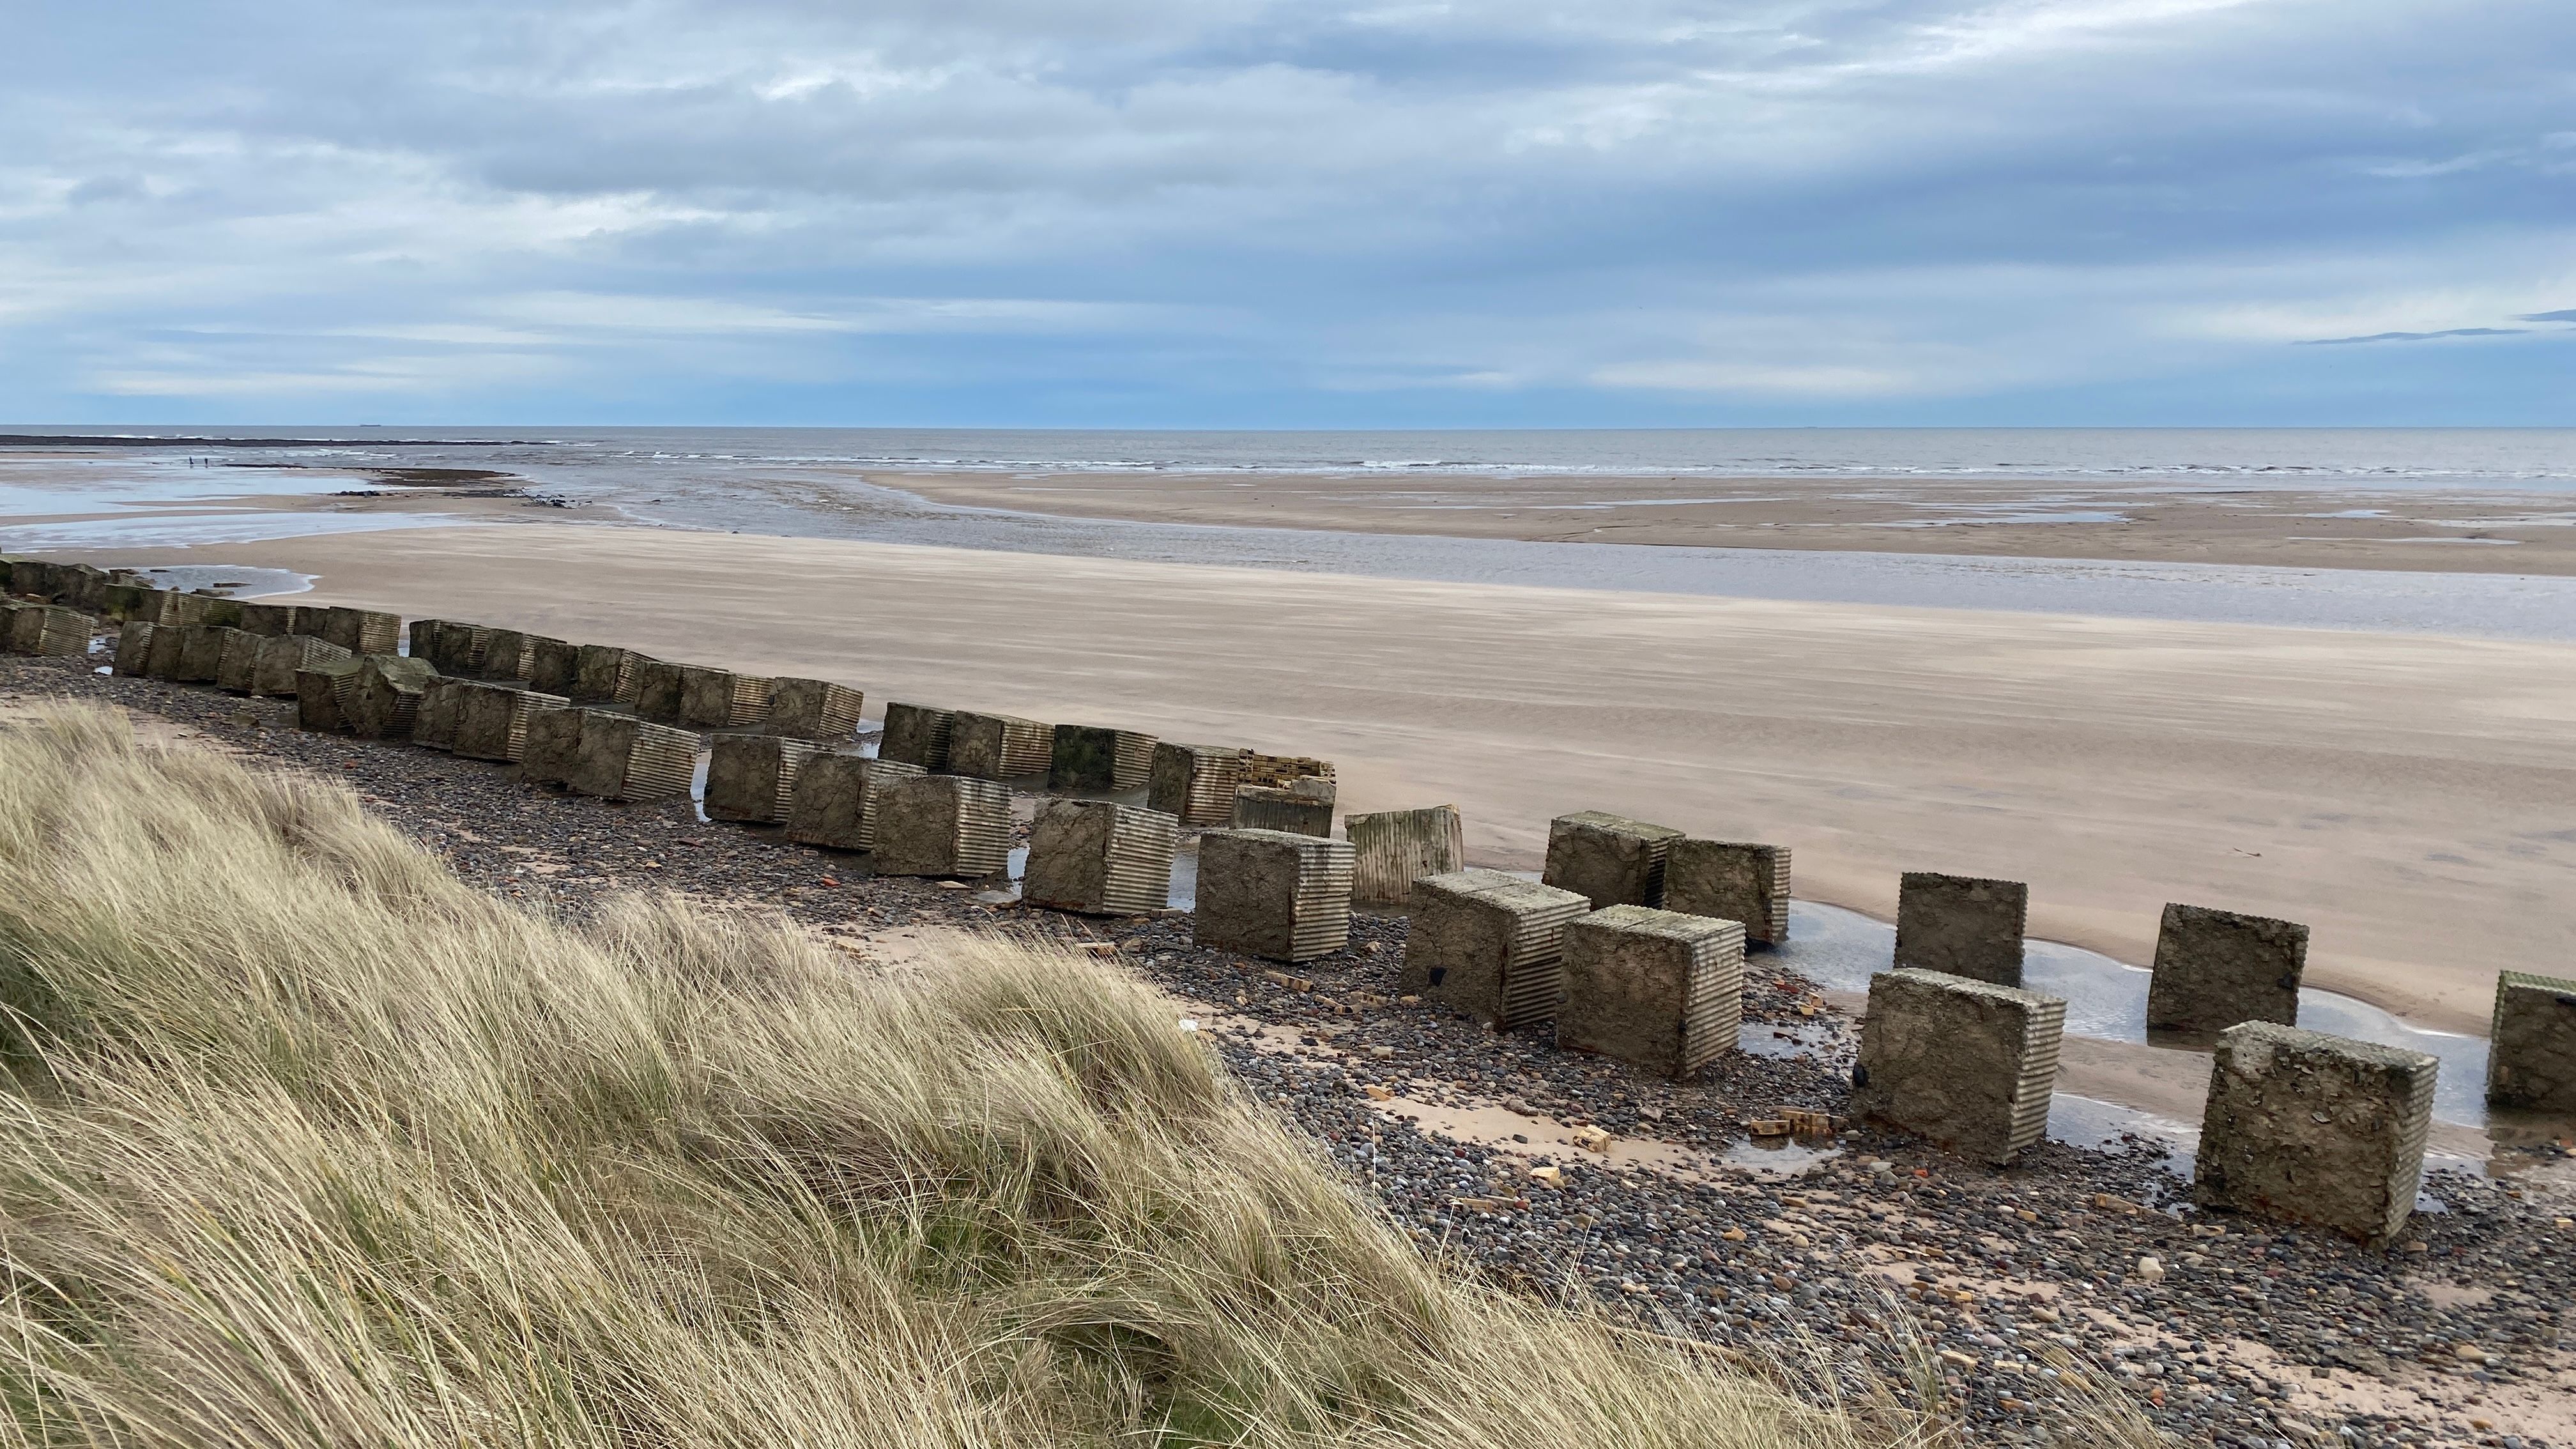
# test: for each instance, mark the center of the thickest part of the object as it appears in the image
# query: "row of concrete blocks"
(692, 696)
(2300, 1126)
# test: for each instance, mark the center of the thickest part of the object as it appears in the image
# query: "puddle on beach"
(236, 581)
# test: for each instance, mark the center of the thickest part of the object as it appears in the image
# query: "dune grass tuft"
(306, 1142)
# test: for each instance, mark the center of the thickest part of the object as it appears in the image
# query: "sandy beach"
(2408, 796)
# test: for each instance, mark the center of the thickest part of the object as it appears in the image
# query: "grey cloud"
(2417, 336)
(2566, 316)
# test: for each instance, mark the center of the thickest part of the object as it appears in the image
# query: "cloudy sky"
(1250, 213)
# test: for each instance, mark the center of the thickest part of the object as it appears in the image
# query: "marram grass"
(306, 1142)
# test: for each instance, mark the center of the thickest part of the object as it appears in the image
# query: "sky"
(1237, 213)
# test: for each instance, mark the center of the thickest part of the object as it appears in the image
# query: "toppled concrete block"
(318, 691)
(1967, 1065)
(1961, 926)
(360, 631)
(1196, 783)
(237, 664)
(621, 757)
(1096, 757)
(1273, 894)
(201, 652)
(943, 825)
(273, 673)
(1391, 849)
(1610, 860)
(385, 697)
(2216, 968)
(1490, 944)
(554, 666)
(660, 689)
(814, 709)
(998, 746)
(604, 674)
(752, 778)
(2318, 1130)
(916, 734)
(719, 699)
(134, 647)
(492, 718)
(553, 747)
(1303, 808)
(1100, 857)
(1278, 772)
(837, 797)
(1733, 881)
(269, 621)
(2531, 1052)
(1656, 989)
(51, 631)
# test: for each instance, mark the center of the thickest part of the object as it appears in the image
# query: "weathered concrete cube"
(2216, 968)
(2318, 1130)
(317, 695)
(161, 660)
(385, 696)
(998, 746)
(1278, 772)
(916, 734)
(1610, 860)
(553, 746)
(1391, 849)
(660, 689)
(423, 638)
(51, 630)
(752, 778)
(621, 757)
(814, 709)
(943, 825)
(1490, 944)
(360, 631)
(268, 620)
(1304, 807)
(201, 652)
(198, 607)
(1273, 894)
(1097, 757)
(1656, 989)
(433, 724)
(1961, 926)
(280, 657)
(134, 647)
(2531, 1051)
(1100, 857)
(237, 666)
(492, 718)
(509, 655)
(1196, 783)
(136, 603)
(605, 674)
(1733, 881)
(554, 666)
(452, 648)
(837, 796)
(719, 699)
(1967, 1065)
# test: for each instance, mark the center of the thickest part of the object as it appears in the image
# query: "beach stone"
(1303, 807)
(2216, 968)
(1609, 860)
(1731, 880)
(2318, 1130)
(1965, 1064)
(268, 621)
(134, 647)
(1273, 894)
(1100, 857)
(385, 698)
(1488, 943)
(719, 699)
(51, 631)
(621, 757)
(2531, 1053)
(360, 631)
(1391, 849)
(554, 665)
(553, 742)
(950, 826)
(1195, 783)
(237, 665)
(916, 734)
(814, 709)
(837, 797)
(273, 674)
(752, 777)
(998, 746)
(492, 718)
(1096, 757)
(201, 652)
(1657, 989)
(660, 688)
(318, 690)
(604, 674)
(1961, 926)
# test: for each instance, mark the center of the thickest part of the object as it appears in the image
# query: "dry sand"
(2410, 797)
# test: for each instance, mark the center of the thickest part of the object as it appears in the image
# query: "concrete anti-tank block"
(134, 647)
(917, 734)
(1097, 757)
(1490, 944)
(2216, 968)
(509, 656)
(604, 674)
(553, 744)
(660, 688)
(1273, 894)
(1965, 1064)
(1610, 860)
(269, 621)
(1961, 926)
(201, 651)
(360, 631)
(1733, 881)
(237, 666)
(752, 778)
(1100, 857)
(943, 825)
(2318, 1130)
(165, 647)
(719, 699)
(814, 709)
(1391, 849)
(492, 718)
(554, 666)
(318, 691)
(384, 698)
(837, 796)
(433, 724)
(280, 657)
(1302, 807)
(53, 631)
(1657, 989)
(998, 746)
(1196, 783)
(2531, 1052)
(621, 757)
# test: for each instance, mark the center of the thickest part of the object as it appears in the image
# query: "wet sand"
(2408, 796)
(2481, 530)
